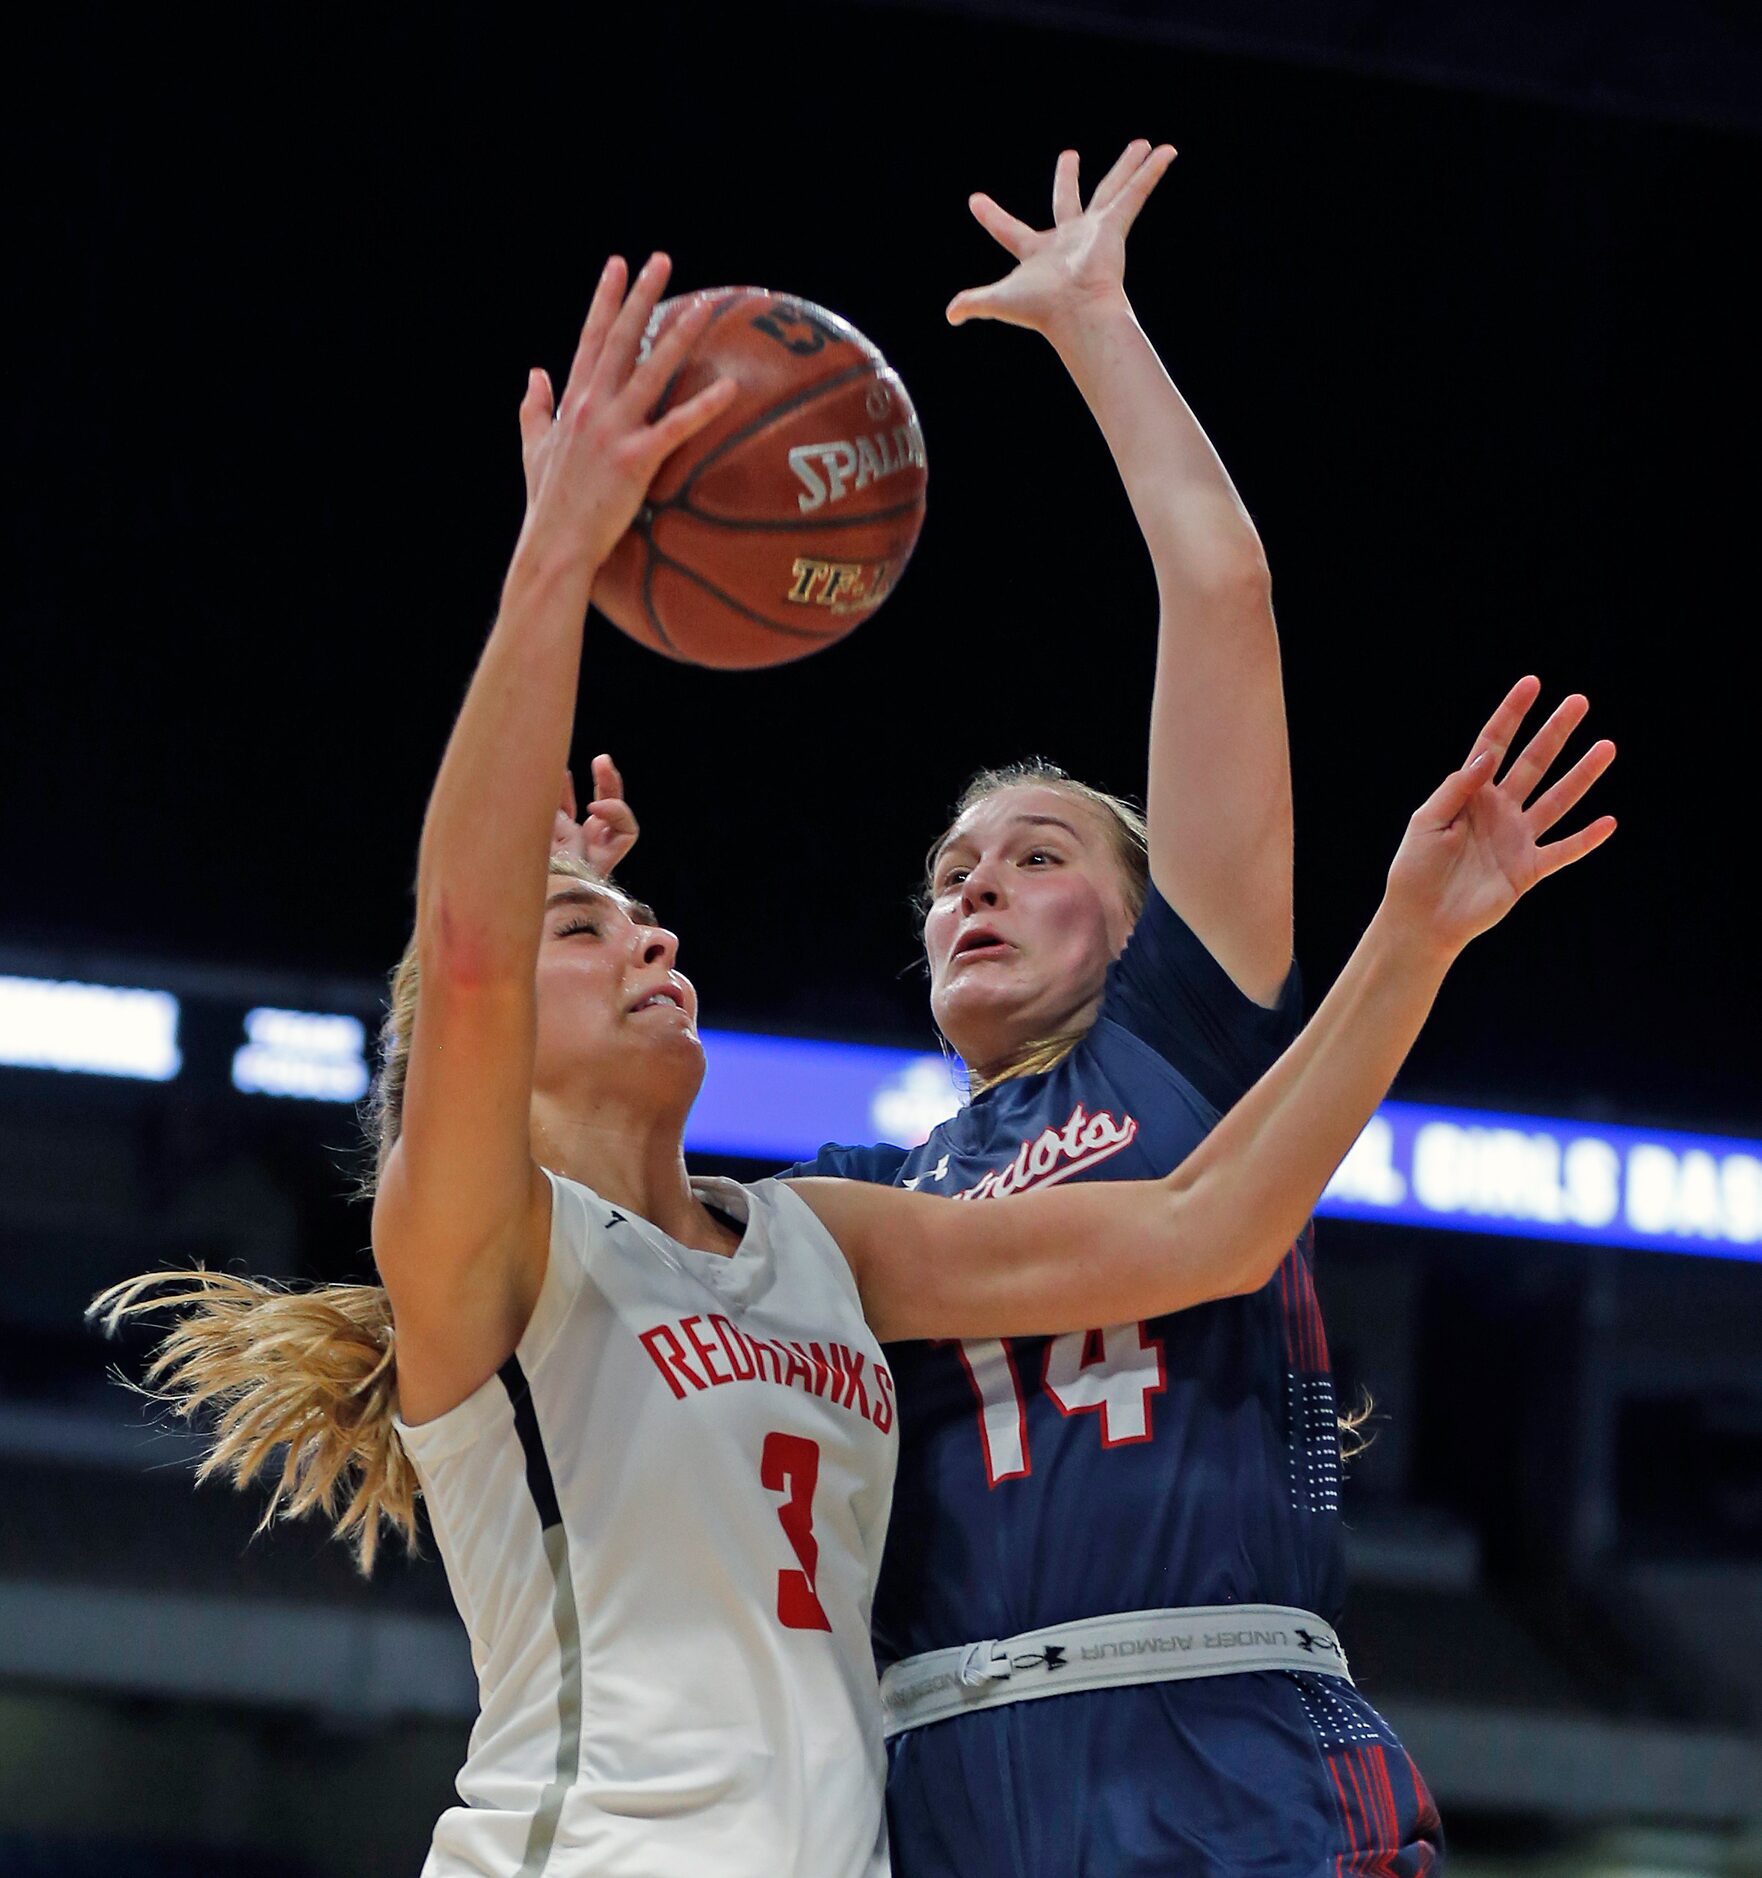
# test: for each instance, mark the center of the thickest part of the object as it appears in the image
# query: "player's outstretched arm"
(1220, 777)
(1099, 1253)
(459, 1216)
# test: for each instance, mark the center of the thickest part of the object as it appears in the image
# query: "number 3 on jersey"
(791, 1464)
(1112, 1372)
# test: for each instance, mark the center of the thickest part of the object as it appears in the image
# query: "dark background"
(1479, 365)
(1461, 294)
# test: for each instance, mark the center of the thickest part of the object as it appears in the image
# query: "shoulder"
(879, 1163)
(1168, 990)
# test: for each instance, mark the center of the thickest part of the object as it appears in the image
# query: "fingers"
(613, 817)
(1536, 758)
(1067, 204)
(1571, 789)
(1502, 726)
(601, 312)
(973, 303)
(1135, 192)
(1000, 225)
(1456, 791)
(611, 371)
(536, 409)
(690, 417)
(1126, 166)
(649, 381)
(1570, 848)
(607, 783)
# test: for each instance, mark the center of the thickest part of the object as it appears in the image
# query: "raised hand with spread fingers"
(1079, 263)
(1474, 847)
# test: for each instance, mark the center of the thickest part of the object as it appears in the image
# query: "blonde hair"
(1128, 836)
(310, 1375)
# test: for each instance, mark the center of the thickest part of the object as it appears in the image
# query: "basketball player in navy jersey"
(1114, 989)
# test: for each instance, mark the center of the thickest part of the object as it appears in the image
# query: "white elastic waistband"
(1132, 1646)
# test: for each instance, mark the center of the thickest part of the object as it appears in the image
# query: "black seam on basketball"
(648, 595)
(745, 611)
(869, 368)
(819, 526)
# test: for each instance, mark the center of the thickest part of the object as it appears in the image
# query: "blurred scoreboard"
(777, 1099)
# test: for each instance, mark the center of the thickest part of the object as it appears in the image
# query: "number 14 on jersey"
(1112, 1373)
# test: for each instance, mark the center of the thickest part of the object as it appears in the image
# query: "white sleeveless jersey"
(661, 1522)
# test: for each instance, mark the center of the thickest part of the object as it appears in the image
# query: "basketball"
(785, 523)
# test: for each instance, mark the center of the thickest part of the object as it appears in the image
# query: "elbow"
(1242, 580)
(1253, 1277)
(1206, 1212)
(1233, 581)
(1257, 1269)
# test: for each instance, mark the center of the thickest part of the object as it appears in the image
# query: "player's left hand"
(1474, 849)
(1077, 264)
(607, 832)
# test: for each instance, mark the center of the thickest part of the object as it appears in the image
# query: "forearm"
(481, 874)
(1245, 1193)
(1104, 1252)
(1199, 534)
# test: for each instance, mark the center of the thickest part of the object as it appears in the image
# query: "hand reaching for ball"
(1077, 263)
(590, 459)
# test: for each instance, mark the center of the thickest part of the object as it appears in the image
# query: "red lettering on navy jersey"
(675, 1358)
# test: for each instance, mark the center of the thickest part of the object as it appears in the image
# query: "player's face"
(1028, 911)
(614, 1013)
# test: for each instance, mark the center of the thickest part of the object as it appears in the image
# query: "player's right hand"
(590, 458)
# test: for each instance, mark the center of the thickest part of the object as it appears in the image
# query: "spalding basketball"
(786, 522)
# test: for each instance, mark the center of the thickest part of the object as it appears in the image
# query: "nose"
(983, 887)
(657, 946)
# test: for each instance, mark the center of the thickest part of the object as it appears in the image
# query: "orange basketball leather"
(786, 523)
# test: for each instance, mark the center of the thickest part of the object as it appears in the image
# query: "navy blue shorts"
(1270, 1775)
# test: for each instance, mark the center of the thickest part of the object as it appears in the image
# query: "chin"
(970, 1024)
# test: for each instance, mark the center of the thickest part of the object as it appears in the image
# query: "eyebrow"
(1032, 821)
(640, 914)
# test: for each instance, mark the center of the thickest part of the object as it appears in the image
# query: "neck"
(1026, 1049)
(633, 1162)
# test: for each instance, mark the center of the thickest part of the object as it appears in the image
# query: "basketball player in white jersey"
(654, 1431)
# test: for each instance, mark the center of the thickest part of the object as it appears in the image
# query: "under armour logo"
(617, 1218)
(938, 1172)
(1312, 1642)
(1052, 1657)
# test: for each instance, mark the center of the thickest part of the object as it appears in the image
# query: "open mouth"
(666, 995)
(980, 943)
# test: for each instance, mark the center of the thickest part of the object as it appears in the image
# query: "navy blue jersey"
(1189, 1459)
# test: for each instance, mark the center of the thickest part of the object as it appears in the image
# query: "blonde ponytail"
(311, 1373)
